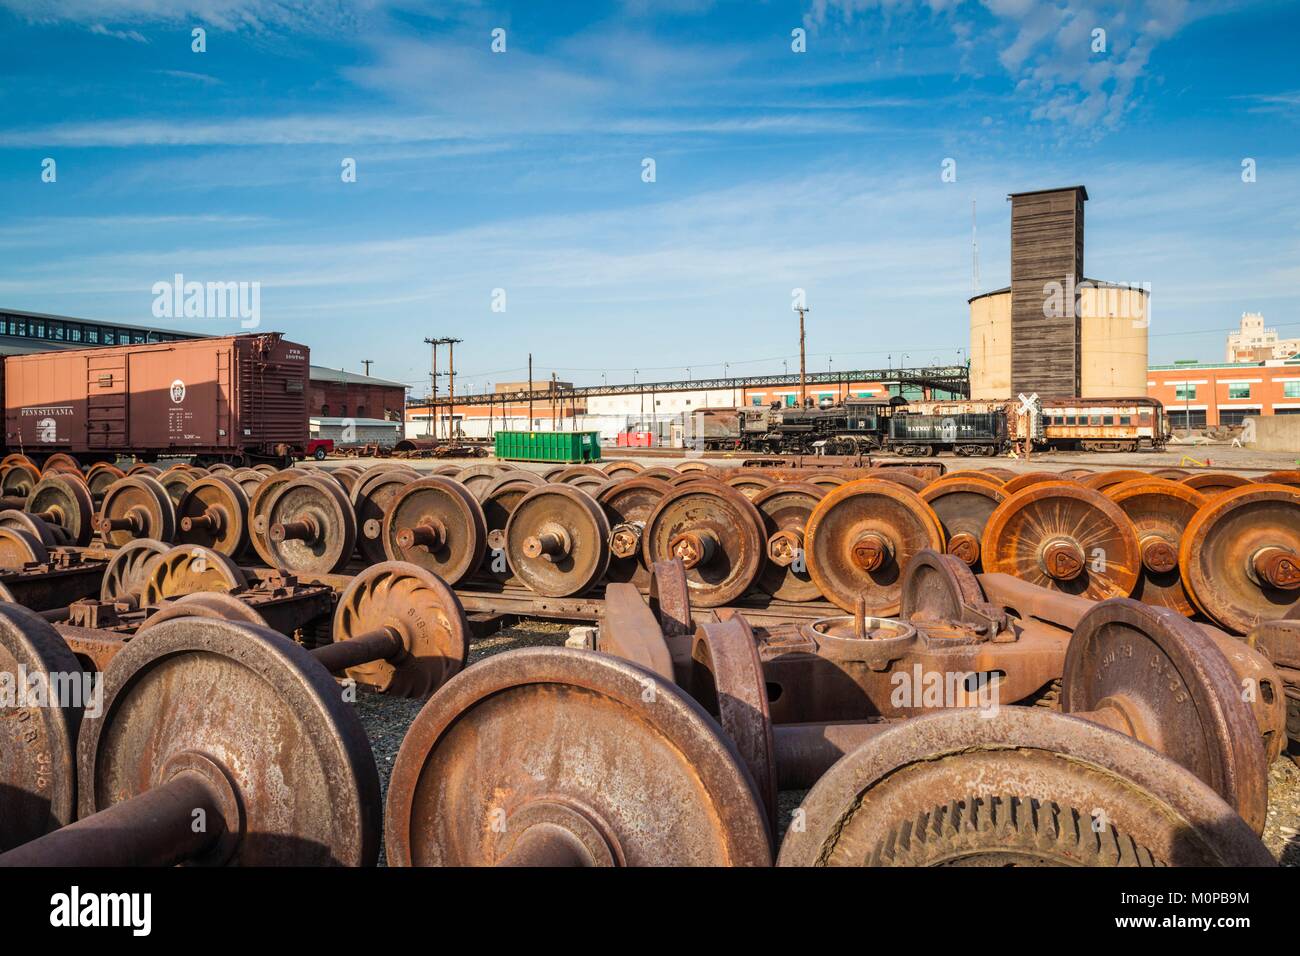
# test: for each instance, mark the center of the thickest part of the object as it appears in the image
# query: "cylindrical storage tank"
(1113, 327)
(990, 345)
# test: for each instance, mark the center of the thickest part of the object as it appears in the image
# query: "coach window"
(1126, 419)
(1108, 420)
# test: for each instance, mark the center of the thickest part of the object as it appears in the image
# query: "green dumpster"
(548, 446)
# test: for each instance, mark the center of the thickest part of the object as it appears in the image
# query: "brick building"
(1224, 394)
(334, 393)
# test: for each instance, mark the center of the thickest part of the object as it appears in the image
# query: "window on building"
(325, 411)
(1180, 418)
(1185, 392)
(1291, 389)
(789, 401)
(361, 411)
(137, 338)
(92, 335)
(1238, 390)
(109, 337)
(1286, 411)
(56, 331)
(1235, 416)
(756, 401)
(74, 333)
(37, 330)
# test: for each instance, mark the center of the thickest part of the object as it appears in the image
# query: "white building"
(1254, 343)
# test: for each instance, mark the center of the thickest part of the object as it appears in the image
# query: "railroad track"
(787, 623)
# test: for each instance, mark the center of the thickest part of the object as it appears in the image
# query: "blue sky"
(523, 171)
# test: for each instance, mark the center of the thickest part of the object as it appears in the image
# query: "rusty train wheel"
(250, 479)
(1006, 474)
(266, 468)
(129, 569)
(136, 506)
(963, 508)
(1106, 479)
(717, 533)
(557, 540)
(437, 524)
(64, 501)
(621, 467)
(1063, 536)
(899, 477)
(688, 476)
(1240, 555)
(19, 479)
(311, 527)
(785, 509)
(213, 512)
(1291, 478)
(567, 475)
(372, 495)
(259, 505)
(213, 605)
(187, 568)
(16, 458)
(499, 500)
(1211, 483)
(660, 472)
(142, 468)
(477, 478)
(1075, 474)
(537, 740)
(38, 762)
(61, 462)
(747, 483)
(177, 480)
(694, 465)
(345, 476)
(1025, 480)
(19, 548)
(420, 609)
(42, 531)
(825, 480)
(100, 476)
(1018, 787)
(1153, 675)
(1160, 510)
(1173, 474)
(968, 474)
(160, 717)
(727, 681)
(860, 538)
(628, 504)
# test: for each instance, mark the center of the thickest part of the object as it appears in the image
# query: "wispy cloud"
(133, 35)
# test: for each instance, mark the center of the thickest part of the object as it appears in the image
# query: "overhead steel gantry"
(954, 379)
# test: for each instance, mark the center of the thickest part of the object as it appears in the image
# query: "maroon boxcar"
(239, 398)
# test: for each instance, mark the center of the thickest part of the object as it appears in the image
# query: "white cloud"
(133, 35)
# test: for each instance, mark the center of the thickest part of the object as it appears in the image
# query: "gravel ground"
(387, 718)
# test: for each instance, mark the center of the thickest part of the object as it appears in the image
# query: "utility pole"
(803, 368)
(530, 391)
(552, 401)
(433, 384)
(451, 388)
(367, 363)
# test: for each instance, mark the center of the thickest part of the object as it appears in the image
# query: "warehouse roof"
(320, 373)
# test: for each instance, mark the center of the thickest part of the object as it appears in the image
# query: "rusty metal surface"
(628, 504)
(1151, 674)
(859, 539)
(1160, 511)
(67, 577)
(137, 506)
(1262, 685)
(1210, 483)
(129, 568)
(421, 611)
(436, 523)
(1017, 482)
(372, 495)
(311, 526)
(64, 501)
(37, 739)
(1021, 787)
(727, 680)
(213, 512)
(1240, 555)
(43, 531)
(1064, 536)
(963, 506)
(630, 630)
(214, 605)
(19, 548)
(1102, 480)
(716, 532)
(187, 568)
(785, 509)
(626, 765)
(259, 506)
(557, 540)
(278, 744)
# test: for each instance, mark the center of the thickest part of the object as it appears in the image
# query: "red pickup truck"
(318, 448)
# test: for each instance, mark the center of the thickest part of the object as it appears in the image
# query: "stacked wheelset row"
(538, 742)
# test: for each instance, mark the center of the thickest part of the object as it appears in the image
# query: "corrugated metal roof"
(319, 373)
